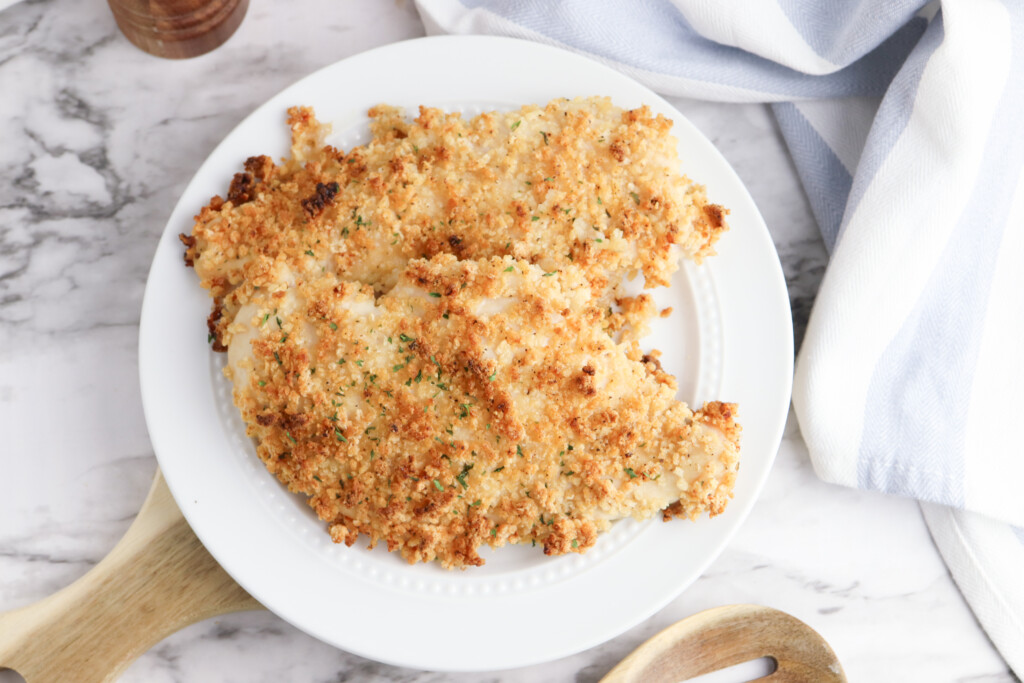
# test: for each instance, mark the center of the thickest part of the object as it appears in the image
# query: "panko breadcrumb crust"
(577, 181)
(418, 331)
(477, 403)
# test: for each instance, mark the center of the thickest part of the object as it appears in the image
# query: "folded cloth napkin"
(903, 121)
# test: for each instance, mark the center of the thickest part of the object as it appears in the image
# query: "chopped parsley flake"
(341, 437)
(290, 437)
(406, 338)
(309, 252)
(436, 295)
(515, 125)
(630, 472)
(575, 543)
(334, 326)
(438, 486)
(535, 218)
(510, 269)
(462, 475)
(545, 136)
(635, 196)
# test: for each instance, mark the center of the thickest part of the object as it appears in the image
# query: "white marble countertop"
(98, 140)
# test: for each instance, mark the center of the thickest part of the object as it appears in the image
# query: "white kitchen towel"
(906, 123)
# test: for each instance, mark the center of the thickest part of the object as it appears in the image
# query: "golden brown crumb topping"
(477, 403)
(427, 335)
(578, 181)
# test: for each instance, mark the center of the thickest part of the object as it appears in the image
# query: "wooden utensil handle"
(725, 636)
(158, 579)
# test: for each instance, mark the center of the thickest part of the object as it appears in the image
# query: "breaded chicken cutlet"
(575, 182)
(476, 403)
(418, 330)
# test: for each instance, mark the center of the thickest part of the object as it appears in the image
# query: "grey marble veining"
(97, 140)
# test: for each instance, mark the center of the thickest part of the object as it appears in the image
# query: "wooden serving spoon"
(721, 637)
(159, 578)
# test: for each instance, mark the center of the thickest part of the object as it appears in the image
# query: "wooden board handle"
(725, 636)
(158, 579)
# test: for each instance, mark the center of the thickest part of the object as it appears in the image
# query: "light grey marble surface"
(97, 140)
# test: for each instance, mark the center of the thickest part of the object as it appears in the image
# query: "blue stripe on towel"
(913, 439)
(842, 31)
(826, 181)
(893, 114)
(671, 46)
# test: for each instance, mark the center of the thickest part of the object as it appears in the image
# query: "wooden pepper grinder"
(178, 29)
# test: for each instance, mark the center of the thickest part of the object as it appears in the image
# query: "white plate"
(730, 338)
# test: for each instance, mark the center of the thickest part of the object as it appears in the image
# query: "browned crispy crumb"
(189, 241)
(577, 181)
(477, 403)
(631, 320)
